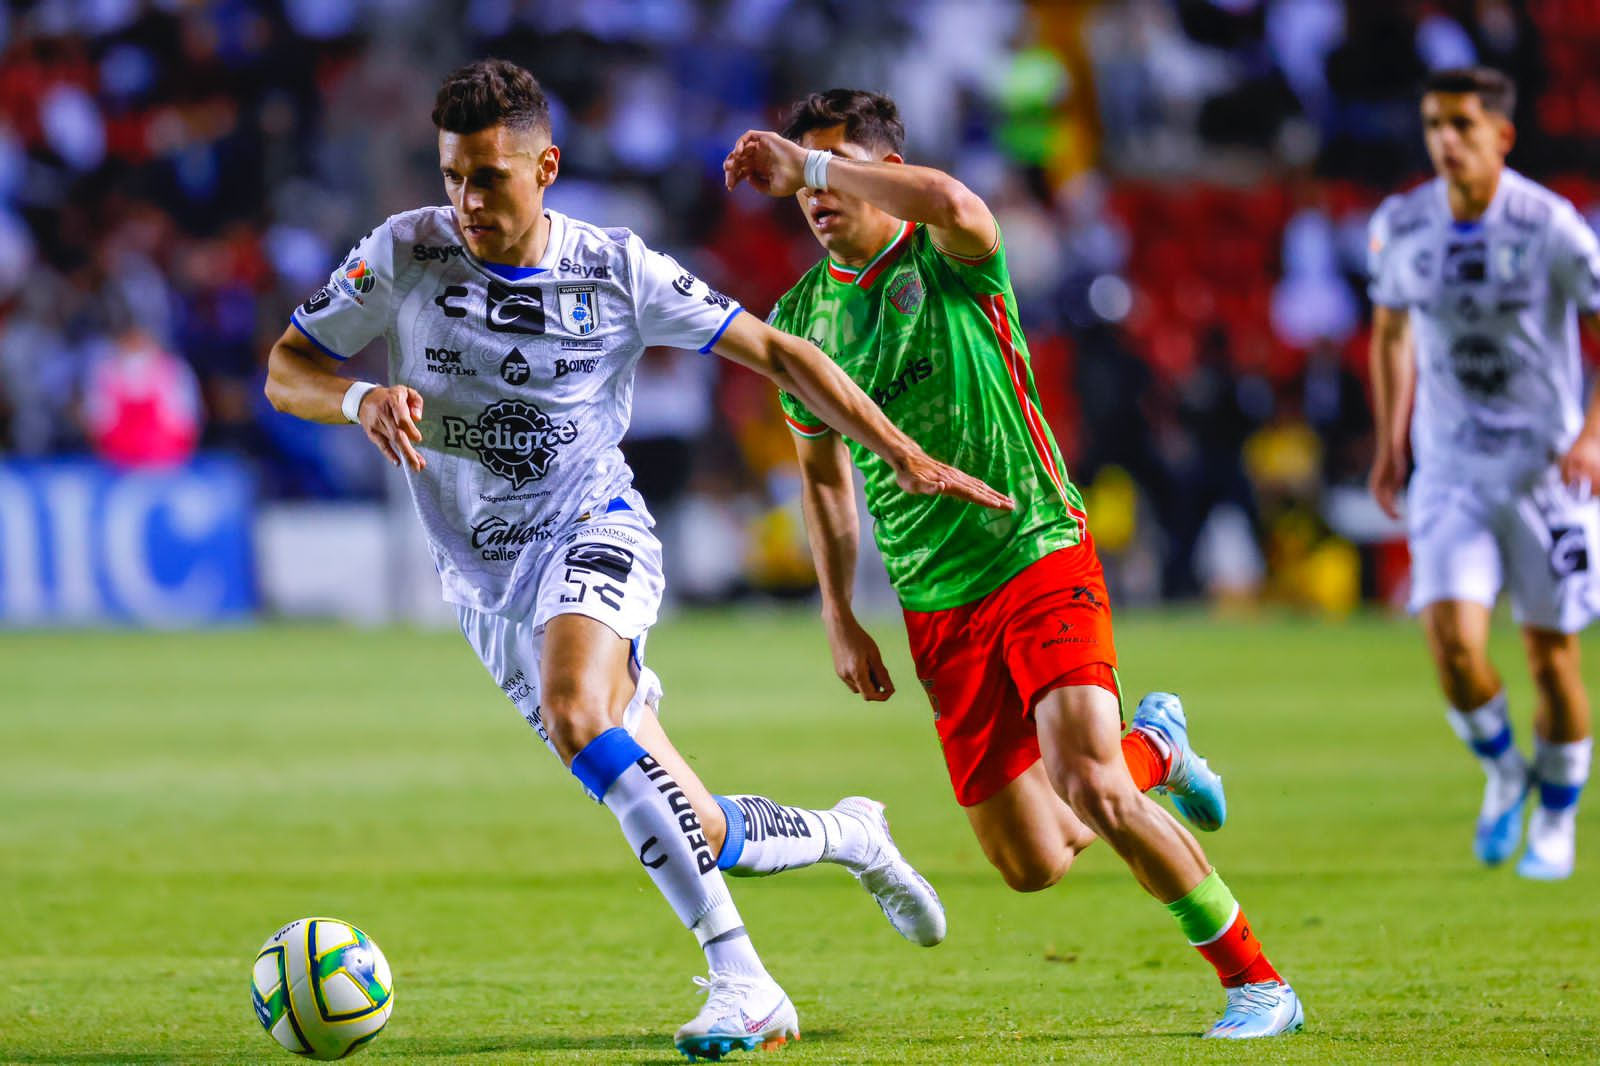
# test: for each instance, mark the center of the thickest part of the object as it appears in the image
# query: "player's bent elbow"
(277, 395)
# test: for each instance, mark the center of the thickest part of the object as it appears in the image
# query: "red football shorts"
(986, 664)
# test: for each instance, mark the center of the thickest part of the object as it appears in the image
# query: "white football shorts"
(607, 568)
(1537, 539)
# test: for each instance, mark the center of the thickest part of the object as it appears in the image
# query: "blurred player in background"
(513, 334)
(1475, 278)
(1008, 615)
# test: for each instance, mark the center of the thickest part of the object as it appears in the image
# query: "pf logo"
(515, 369)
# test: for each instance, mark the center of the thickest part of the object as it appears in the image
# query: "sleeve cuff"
(717, 336)
(803, 429)
(294, 318)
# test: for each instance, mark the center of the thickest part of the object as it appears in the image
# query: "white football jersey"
(1491, 302)
(527, 384)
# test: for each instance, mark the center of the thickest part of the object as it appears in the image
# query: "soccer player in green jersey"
(1007, 612)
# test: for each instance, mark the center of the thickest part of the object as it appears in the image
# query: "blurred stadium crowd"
(1184, 186)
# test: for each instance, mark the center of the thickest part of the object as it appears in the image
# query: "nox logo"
(576, 366)
(515, 310)
(512, 439)
(515, 369)
(447, 361)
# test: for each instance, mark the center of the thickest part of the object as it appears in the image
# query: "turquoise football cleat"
(1267, 1008)
(742, 1013)
(1499, 828)
(1195, 789)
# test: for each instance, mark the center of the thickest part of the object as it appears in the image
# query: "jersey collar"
(864, 277)
(547, 261)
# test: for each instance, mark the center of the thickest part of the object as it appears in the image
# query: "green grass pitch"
(168, 800)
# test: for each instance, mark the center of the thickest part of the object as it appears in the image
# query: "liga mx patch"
(578, 308)
(906, 293)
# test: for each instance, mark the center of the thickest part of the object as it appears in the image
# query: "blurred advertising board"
(83, 543)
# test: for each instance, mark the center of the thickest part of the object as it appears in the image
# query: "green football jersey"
(933, 338)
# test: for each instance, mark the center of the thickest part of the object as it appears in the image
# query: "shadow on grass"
(653, 1047)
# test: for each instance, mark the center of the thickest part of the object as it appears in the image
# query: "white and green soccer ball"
(321, 988)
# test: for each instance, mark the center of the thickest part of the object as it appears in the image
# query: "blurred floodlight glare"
(1110, 297)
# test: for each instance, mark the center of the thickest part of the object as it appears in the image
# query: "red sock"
(1237, 955)
(1145, 763)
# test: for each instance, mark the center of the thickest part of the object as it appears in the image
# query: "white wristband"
(817, 169)
(351, 404)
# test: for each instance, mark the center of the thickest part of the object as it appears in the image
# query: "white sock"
(1487, 731)
(665, 834)
(766, 838)
(1562, 770)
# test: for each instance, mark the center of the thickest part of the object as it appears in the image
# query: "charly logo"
(513, 439)
(501, 541)
(514, 369)
(317, 300)
(578, 309)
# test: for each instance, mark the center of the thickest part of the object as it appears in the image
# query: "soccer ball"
(321, 988)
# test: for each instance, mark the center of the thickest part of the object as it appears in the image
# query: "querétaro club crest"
(512, 438)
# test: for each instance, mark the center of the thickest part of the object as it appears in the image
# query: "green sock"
(1206, 910)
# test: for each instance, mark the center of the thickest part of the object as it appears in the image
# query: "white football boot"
(742, 1013)
(1267, 1008)
(1552, 845)
(908, 901)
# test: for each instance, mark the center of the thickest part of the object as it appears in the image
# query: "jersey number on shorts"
(589, 566)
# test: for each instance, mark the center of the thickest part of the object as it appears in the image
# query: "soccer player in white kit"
(513, 333)
(1475, 280)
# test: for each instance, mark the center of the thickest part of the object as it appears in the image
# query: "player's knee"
(1105, 801)
(574, 714)
(1462, 665)
(1032, 872)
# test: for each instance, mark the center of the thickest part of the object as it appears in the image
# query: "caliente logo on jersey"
(578, 309)
(513, 439)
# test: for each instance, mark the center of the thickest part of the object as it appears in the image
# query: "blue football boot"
(1267, 1008)
(1499, 828)
(1195, 788)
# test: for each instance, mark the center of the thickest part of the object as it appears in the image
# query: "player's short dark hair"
(491, 92)
(1494, 89)
(869, 119)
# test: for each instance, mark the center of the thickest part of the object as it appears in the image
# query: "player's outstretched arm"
(1394, 376)
(799, 367)
(829, 499)
(303, 382)
(958, 219)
